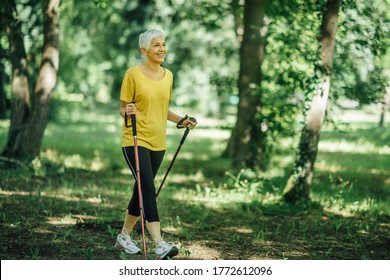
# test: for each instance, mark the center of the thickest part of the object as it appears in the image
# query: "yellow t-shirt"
(152, 98)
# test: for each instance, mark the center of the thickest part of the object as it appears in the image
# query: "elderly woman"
(146, 92)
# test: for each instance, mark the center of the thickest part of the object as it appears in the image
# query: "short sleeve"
(127, 88)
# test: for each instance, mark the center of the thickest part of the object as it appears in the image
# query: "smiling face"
(157, 50)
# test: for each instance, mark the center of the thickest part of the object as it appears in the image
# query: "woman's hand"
(131, 109)
(187, 122)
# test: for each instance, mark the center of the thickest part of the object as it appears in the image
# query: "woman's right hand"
(131, 109)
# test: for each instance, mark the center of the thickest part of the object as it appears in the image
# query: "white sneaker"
(125, 243)
(165, 250)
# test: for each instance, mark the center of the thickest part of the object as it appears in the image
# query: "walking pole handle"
(134, 125)
(126, 121)
(132, 122)
(186, 131)
(192, 119)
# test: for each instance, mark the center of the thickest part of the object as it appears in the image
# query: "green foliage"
(289, 66)
(31, 18)
(99, 41)
(89, 253)
(359, 72)
(33, 254)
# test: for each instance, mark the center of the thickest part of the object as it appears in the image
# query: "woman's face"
(157, 50)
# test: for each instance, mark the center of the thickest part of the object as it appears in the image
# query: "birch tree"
(299, 183)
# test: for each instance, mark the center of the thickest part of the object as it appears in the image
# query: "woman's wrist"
(180, 121)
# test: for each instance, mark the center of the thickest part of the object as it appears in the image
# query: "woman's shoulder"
(168, 72)
(132, 70)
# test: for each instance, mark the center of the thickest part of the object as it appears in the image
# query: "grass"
(69, 204)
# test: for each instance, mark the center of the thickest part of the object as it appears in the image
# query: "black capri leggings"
(149, 163)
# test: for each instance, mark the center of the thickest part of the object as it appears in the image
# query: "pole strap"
(180, 122)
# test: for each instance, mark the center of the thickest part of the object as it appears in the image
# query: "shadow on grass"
(76, 214)
(280, 231)
(79, 220)
(379, 136)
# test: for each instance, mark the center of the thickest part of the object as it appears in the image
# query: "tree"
(3, 105)
(385, 105)
(298, 185)
(246, 142)
(30, 114)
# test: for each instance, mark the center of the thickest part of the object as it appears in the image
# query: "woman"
(146, 91)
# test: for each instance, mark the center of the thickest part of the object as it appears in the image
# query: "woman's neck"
(152, 67)
(154, 71)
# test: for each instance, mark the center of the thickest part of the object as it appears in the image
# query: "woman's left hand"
(189, 123)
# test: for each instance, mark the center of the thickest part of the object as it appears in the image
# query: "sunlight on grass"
(326, 167)
(376, 171)
(74, 161)
(340, 206)
(348, 147)
(239, 229)
(211, 134)
(184, 155)
(42, 231)
(11, 193)
(183, 178)
(198, 251)
(81, 184)
(359, 116)
(66, 220)
(222, 198)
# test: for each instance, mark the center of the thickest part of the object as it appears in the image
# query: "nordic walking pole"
(137, 170)
(183, 138)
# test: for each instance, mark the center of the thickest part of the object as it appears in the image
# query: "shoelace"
(164, 243)
(126, 235)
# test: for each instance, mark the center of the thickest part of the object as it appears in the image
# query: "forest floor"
(53, 225)
(69, 204)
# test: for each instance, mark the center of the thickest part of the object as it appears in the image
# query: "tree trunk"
(3, 103)
(298, 185)
(246, 142)
(385, 105)
(20, 100)
(27, 128)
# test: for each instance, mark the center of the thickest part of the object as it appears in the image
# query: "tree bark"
(26, 132)
(3, 103)
(20, 99)
(385, 105)
(246, 142)
(299, 183)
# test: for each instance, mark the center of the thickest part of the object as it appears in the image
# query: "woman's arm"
(176, 118)
(173, 117)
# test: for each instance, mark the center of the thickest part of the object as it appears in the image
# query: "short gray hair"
(145, 38)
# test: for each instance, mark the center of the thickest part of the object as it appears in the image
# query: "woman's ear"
(143, 51)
